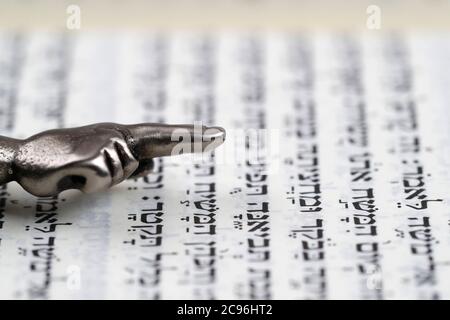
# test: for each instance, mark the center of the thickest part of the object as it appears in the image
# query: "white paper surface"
(349, 199)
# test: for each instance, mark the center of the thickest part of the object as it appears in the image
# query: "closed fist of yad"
(96, 157)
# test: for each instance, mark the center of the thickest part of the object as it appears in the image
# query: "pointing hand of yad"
(96, 157)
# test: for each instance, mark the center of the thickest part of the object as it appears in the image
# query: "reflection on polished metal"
(96, 157)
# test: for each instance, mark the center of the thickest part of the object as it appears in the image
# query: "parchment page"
(332, 183)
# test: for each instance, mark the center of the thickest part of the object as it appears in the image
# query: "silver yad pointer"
(98, 156)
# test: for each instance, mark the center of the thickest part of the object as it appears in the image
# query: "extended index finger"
(159, 140)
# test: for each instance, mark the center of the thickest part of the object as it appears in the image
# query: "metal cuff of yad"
(96, 157)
